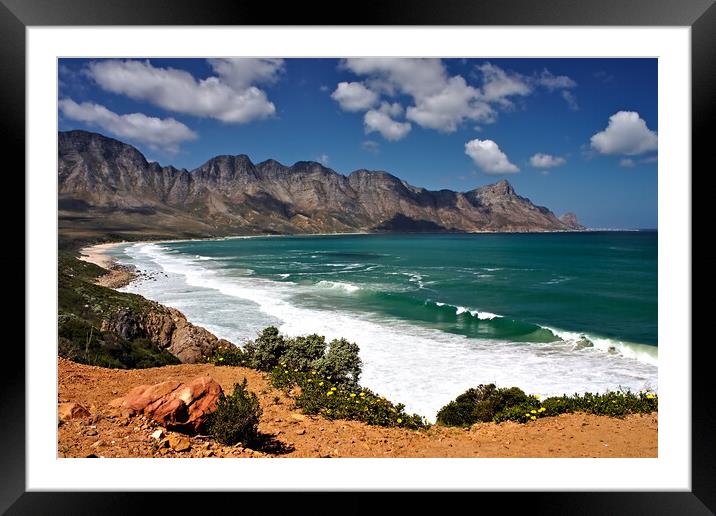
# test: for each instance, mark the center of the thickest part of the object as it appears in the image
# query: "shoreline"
(118, 276)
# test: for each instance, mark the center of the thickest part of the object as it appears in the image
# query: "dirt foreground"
(288, 433)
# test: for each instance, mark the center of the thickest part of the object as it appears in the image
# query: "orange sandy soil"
(288, 433)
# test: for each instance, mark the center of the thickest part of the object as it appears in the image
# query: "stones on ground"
(301, 431)
(298, 417)
(67, 411)
(175, 405)
(179, 443)
(158, 434)
(91, 432)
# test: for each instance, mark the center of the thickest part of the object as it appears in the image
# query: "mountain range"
(107, 188)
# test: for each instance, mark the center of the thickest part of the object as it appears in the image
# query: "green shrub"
(303, 352)
(612, 403)
(264, 353)
(341, 363)
(320, 395)
(236, 418)
(229, 356)
(482, 404)
(488, 403)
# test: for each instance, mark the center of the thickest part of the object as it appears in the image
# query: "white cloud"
(626, 134)
(627, 163)
(415, 77)
(498, 84)
(571, 100)
(354, 96)
(371, 146)
(242, 72)
(450, 107)
(541, 160)
(227, 97)
(164, 134)
(555, 82)
(380, 121)
(441, 102)
(487, 155)
(323, 159)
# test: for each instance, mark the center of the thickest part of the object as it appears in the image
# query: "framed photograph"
(446, 249)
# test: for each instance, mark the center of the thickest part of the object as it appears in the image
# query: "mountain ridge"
(106, 185)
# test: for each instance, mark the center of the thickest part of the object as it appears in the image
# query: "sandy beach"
(117, 275)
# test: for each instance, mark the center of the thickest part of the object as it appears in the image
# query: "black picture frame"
(16, 15)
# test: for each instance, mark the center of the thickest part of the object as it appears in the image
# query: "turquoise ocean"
(434, 314)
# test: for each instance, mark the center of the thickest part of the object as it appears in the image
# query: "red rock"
(176, 405)
(66, 411)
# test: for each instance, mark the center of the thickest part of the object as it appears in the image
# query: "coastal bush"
(339, 359)
(303, 352)
(236, 417)
(488, 403)
(229, 356)
(483, 404)
(612, 403)
(342, 362)
(336, 399)
(265, 352)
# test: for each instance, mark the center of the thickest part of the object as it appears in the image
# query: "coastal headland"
(287, 432)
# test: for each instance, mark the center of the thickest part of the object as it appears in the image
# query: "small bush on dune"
(229, 356)
(236, 418)
(335, 399)
(341, 362)
(483, 404)
(264, 353)
(488, 403)
(303, 352)
(613, 403)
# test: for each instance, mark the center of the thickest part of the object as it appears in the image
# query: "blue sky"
(571, 134)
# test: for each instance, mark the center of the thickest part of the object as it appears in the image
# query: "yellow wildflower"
(362, 393)
(353, 394)
(533, 411)
(329, 393)
(320, 383)
(533, 418)
(400, 420)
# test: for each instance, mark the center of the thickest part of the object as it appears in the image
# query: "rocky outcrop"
(175, 405)
(106, 183)
(570, 219)
(167, 328)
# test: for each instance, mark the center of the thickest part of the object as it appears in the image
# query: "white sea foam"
(641, 352)
(409, 363)
(340, 285)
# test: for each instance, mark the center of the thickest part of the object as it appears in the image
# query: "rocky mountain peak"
(230, 195)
